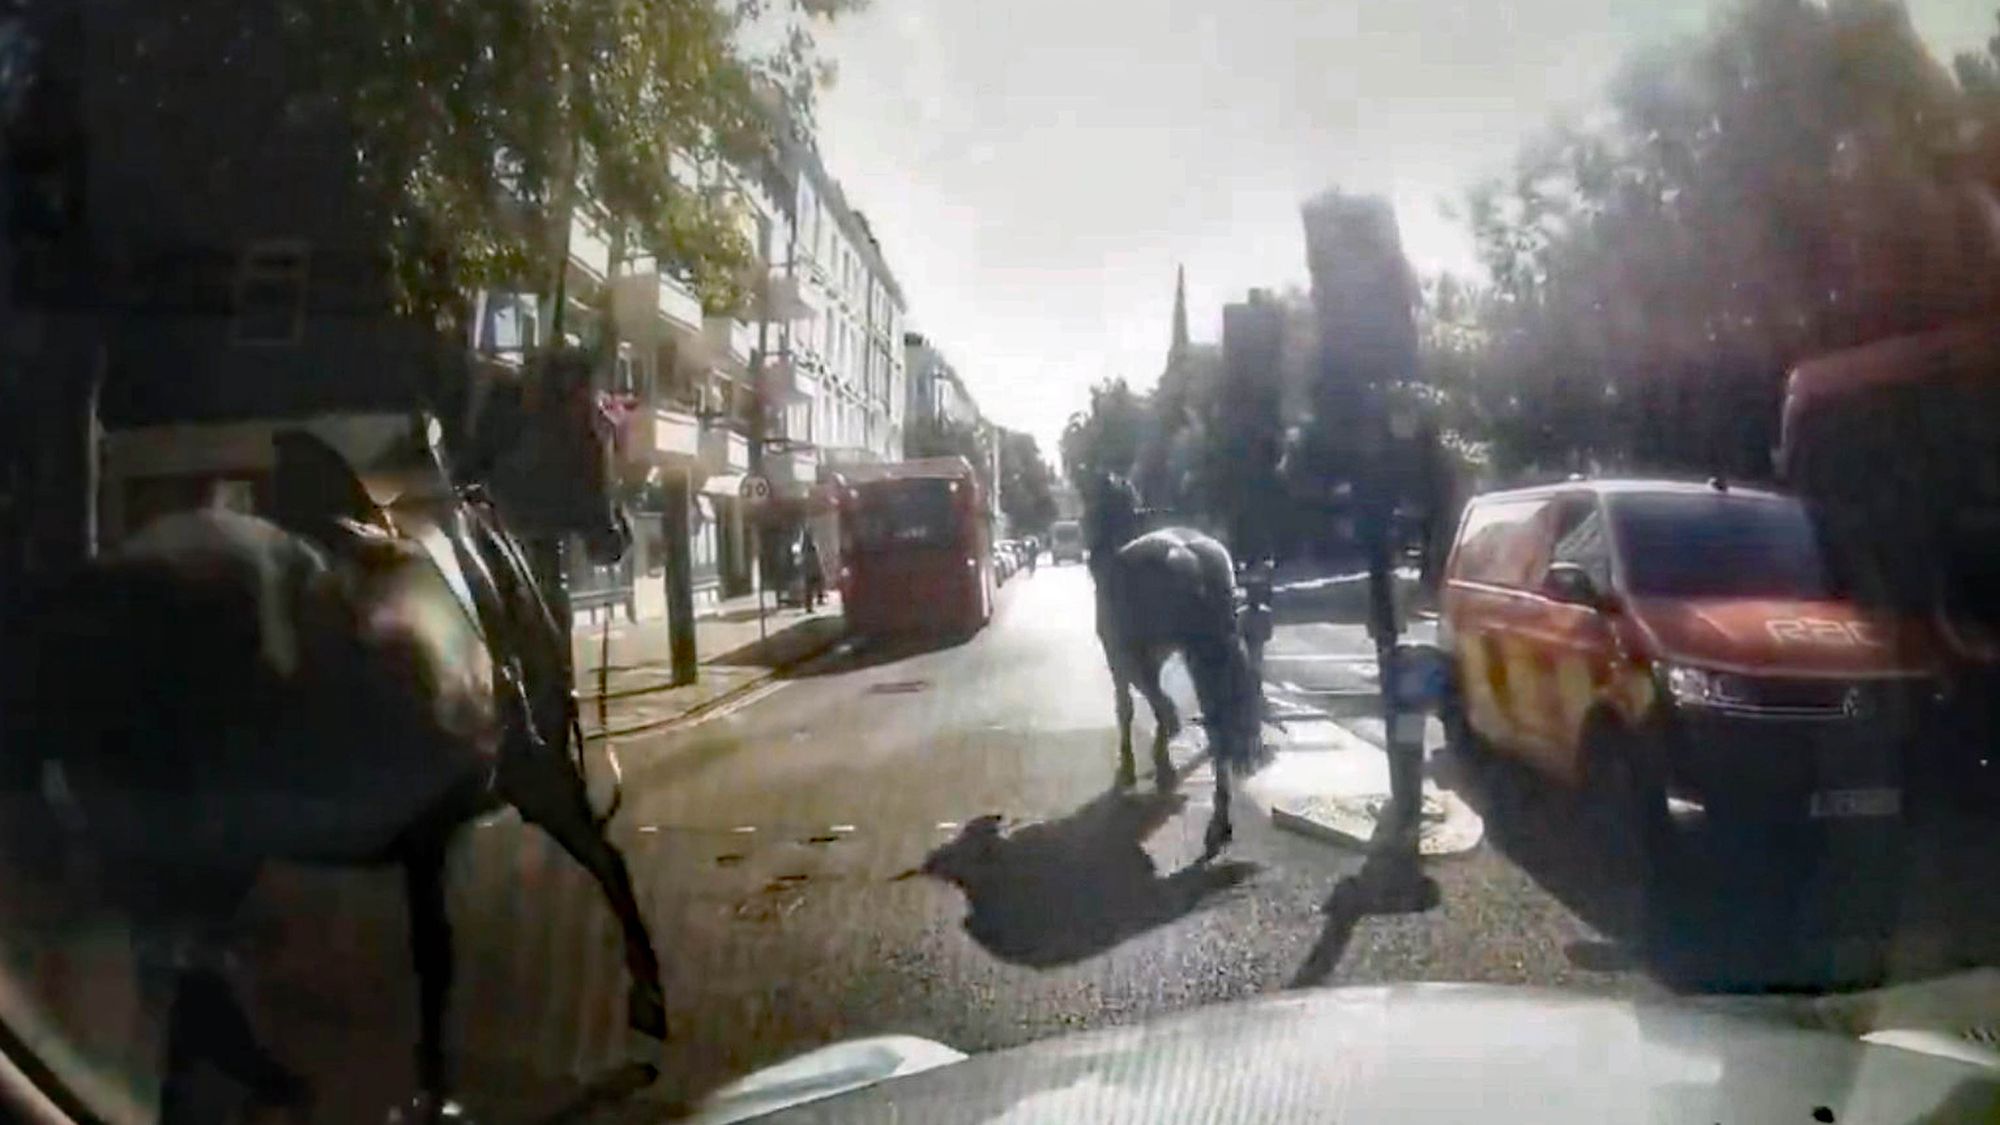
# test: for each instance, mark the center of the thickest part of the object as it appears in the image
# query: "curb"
(1449, 828)
(715, 701)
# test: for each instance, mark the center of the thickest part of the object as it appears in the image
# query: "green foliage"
(475, 126)
(1106, 438)
(1796, 181)
(1026, 484)
(476, 117)
(943, 437)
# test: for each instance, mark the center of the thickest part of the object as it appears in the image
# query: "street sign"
(755, 489)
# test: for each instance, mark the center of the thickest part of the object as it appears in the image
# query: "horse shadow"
(1060, 891)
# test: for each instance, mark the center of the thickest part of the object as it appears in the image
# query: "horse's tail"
(1232, 701)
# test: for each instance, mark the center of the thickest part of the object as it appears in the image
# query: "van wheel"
(1626, 803)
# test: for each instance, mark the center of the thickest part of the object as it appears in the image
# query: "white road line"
(1322, 657)
(753, 696)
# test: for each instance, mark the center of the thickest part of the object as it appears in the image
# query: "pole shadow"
(1389, 882)
(1060, 891)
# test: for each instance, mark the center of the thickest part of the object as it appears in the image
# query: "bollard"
(1412, 684)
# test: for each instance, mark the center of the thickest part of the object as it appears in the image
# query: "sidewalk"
(734, 655)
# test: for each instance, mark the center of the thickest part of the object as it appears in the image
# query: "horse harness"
(460, 531)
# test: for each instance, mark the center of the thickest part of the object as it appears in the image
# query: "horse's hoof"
(646, 1011)
(426, 1108)
(1128, 776)
(1216, 838)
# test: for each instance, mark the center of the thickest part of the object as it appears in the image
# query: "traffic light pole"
(1404, 724)
(678, 489)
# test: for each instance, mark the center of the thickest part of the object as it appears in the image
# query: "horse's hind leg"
(1220, 831)
(431, 953)
(1211, 665)
(205, 1023)
(550, 794)
(1166, 720)
(1121, 689)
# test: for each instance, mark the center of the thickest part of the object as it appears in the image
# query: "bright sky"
(1036, 169)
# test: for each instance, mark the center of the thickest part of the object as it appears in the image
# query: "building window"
(512, 324)
(271, 293)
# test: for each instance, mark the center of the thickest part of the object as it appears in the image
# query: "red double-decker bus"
(1899, 443)
(915, 547)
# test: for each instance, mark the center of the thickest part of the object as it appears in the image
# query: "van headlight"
(1702, 687)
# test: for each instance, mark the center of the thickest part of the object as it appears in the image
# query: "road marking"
(843, 828)
(744, 828)
(753, 696)
(1323, 657)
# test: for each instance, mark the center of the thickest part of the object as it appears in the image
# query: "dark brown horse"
(348, 683)
(1162, 592)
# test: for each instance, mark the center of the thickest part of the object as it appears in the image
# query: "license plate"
(1842, 804)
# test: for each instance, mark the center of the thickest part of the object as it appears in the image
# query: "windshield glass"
(905, 514)
(1928, 533)
(557, 553)
(1696, 546)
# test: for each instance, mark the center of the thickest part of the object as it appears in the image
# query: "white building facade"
(852, 342)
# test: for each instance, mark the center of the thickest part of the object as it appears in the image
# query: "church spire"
(1177, 349)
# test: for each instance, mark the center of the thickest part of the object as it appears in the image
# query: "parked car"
(1065, 542)
(1003, 563)
(1636, 639)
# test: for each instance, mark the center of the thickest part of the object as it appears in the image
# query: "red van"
(1640, 638)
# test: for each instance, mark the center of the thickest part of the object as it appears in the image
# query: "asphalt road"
(927, 842)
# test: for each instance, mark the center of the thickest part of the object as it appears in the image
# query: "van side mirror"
(1568, 582)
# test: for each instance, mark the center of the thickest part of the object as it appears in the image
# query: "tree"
(1026, 484)
(471, 128)
(945, 437)
(1106, 438)
(1791, 183)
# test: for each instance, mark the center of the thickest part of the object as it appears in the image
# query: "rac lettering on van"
(1820, 631)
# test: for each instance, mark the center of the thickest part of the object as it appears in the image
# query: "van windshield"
(1719, 546)
(1066, 533)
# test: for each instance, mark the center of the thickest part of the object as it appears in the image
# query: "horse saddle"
(318, 493)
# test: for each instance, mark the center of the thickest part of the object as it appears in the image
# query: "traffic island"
(1327, 782)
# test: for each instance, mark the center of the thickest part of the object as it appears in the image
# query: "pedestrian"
(815, 578)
